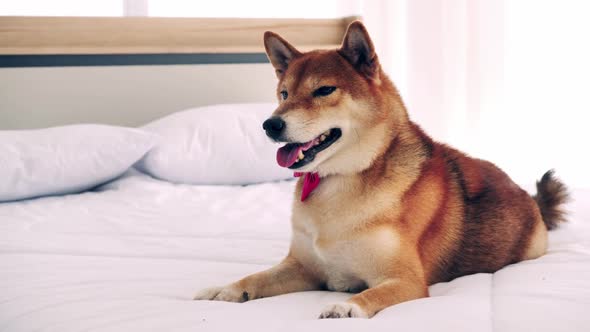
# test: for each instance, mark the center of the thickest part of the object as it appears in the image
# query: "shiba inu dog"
(380, 208)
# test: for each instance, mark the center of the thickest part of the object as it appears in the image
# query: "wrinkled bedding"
(128, 256)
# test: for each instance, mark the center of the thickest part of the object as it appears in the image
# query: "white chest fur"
(346, 259)
(339, 233)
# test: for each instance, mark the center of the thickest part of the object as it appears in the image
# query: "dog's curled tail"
(551, 195)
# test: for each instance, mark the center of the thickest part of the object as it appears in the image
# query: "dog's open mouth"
(295, 155)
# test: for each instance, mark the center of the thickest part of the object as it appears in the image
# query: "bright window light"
(61, 8)
(546, 82)
(183, 8)
(253, 8)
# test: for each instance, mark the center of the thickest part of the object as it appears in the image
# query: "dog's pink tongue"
(287, 155)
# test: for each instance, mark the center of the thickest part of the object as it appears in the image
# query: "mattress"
(128, 256)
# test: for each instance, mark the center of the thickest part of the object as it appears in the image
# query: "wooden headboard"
(131, 70)
(155, 35)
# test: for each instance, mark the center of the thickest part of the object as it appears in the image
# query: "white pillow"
(219, 144)
(69, 159)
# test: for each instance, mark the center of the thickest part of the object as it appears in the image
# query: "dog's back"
(481, 220)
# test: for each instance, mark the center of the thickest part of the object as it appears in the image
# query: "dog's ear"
(279, 52)
(358, 49)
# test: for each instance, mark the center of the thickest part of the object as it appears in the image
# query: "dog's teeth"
(327, 133)
(300, 156)
(322, 137)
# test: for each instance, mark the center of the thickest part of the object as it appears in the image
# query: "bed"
(128, 256)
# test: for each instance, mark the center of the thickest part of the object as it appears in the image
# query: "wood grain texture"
(146, 35)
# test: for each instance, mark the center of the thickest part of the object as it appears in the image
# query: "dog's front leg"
(287, 277)
(369, 302)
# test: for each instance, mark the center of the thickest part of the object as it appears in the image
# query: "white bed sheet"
(129, 257)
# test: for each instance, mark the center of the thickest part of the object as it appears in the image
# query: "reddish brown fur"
(401, 211)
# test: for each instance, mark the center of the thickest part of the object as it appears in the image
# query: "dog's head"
(336, 110)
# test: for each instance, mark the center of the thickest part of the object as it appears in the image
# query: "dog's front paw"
(228, 294)
(343, 310)
(207, 293)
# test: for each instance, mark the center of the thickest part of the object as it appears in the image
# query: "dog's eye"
(284, 94)
(324, 91)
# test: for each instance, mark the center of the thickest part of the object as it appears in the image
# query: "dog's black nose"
(274, 127)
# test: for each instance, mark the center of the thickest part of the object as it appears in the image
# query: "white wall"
(124, 95)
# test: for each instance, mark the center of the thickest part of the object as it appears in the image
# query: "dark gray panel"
(69, 60)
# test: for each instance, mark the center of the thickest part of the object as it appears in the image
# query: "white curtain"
(507, 81)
